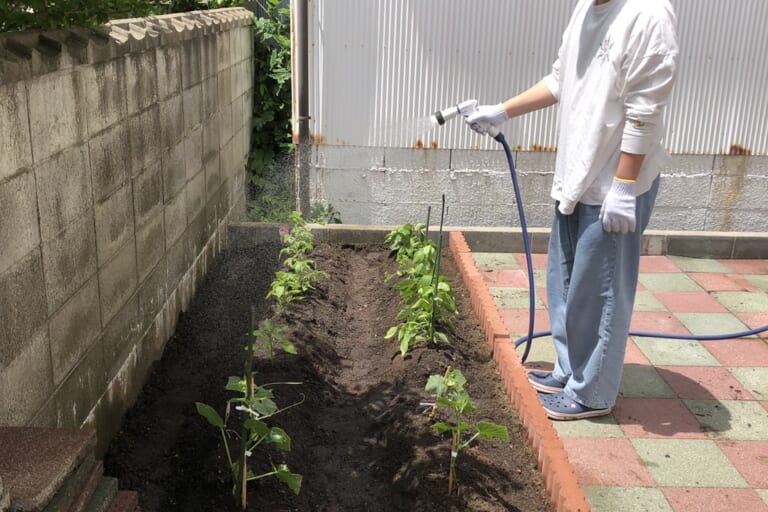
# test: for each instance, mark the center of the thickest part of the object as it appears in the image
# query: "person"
(612, 78)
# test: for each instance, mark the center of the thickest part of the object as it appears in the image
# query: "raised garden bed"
(360, 437)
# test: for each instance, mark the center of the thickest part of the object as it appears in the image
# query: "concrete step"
(102, 497)
(125, 501)
(77, 489)
(5, 499)
(35, 463)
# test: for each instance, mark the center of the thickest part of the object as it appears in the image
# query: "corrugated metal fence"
(378, 68)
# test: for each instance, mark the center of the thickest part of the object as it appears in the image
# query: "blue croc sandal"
(545, 382)
(562, 407)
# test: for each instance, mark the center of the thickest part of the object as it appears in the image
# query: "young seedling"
(428, 300)
(272, 336)
(451, 395)
(292, 284)
(258, 405)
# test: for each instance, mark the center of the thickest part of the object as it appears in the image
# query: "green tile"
(687, 463)
(644, 382)
(495, 260)
(669, 283)
(636, 499)
(542, 353)
(731, 419)
(513, 298)
(698, 265)
(761, 281)
(754, 380)
(665, 352)
(743, 302)
(539, 278)
(710, 324)
(603, 427)
(646, 301)
(763, 495)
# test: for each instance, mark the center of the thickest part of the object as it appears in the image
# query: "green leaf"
(235, 384)
(404, 347)
(292, 480)
(391, 332)
(436, 385)
(490, 431)
(209, 414)
(288, 347)
(257, 428)
(280, 439)
(441, 427)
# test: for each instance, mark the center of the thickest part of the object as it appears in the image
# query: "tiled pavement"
(690, 428)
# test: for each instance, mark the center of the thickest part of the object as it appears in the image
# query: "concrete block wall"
(394, 186)
(123, 160)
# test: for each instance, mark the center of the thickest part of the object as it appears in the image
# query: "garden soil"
(361, 438)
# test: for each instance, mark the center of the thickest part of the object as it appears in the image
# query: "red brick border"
(558, 474)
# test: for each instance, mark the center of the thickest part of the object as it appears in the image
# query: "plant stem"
(454, 455)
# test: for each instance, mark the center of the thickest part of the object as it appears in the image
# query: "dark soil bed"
(360, 438)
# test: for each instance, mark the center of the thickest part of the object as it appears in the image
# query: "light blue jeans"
(591, 284)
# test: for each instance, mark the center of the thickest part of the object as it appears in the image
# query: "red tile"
(656, 322)
(755, 321)
(607, 462)
(742, 352)
(516, 321)
(633, 355)
(703, 383)
(657, 264)
(714, 500)
(539, 261)
(723, 282)
(508, 278)
(690, 302)
(746, 266)
(751, 459)
(657, 418)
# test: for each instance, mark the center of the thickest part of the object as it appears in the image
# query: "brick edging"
(558, 474)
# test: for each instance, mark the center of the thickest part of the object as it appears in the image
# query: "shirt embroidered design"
(603, 53)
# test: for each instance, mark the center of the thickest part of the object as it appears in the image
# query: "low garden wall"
(123, 160)
(394, 186)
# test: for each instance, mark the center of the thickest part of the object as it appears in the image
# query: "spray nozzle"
(465, 108)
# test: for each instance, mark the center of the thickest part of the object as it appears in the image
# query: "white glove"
(485, 116)
(618, 211)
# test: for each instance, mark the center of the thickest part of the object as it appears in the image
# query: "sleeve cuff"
(553, 85)
(638, 138)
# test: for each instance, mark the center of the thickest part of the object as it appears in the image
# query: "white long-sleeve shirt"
(612, 79)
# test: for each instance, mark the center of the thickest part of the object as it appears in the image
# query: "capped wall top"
(24, 55)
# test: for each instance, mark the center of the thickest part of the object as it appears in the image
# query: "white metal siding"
(378, 68)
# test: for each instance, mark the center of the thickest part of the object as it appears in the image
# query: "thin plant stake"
(436, 273)
(244, 431)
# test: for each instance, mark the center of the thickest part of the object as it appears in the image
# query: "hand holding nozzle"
(477, 118)
(487, 118)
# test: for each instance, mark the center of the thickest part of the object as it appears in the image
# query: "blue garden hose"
(499, 137)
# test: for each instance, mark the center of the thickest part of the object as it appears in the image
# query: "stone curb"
(558, 474)
(697, 244)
